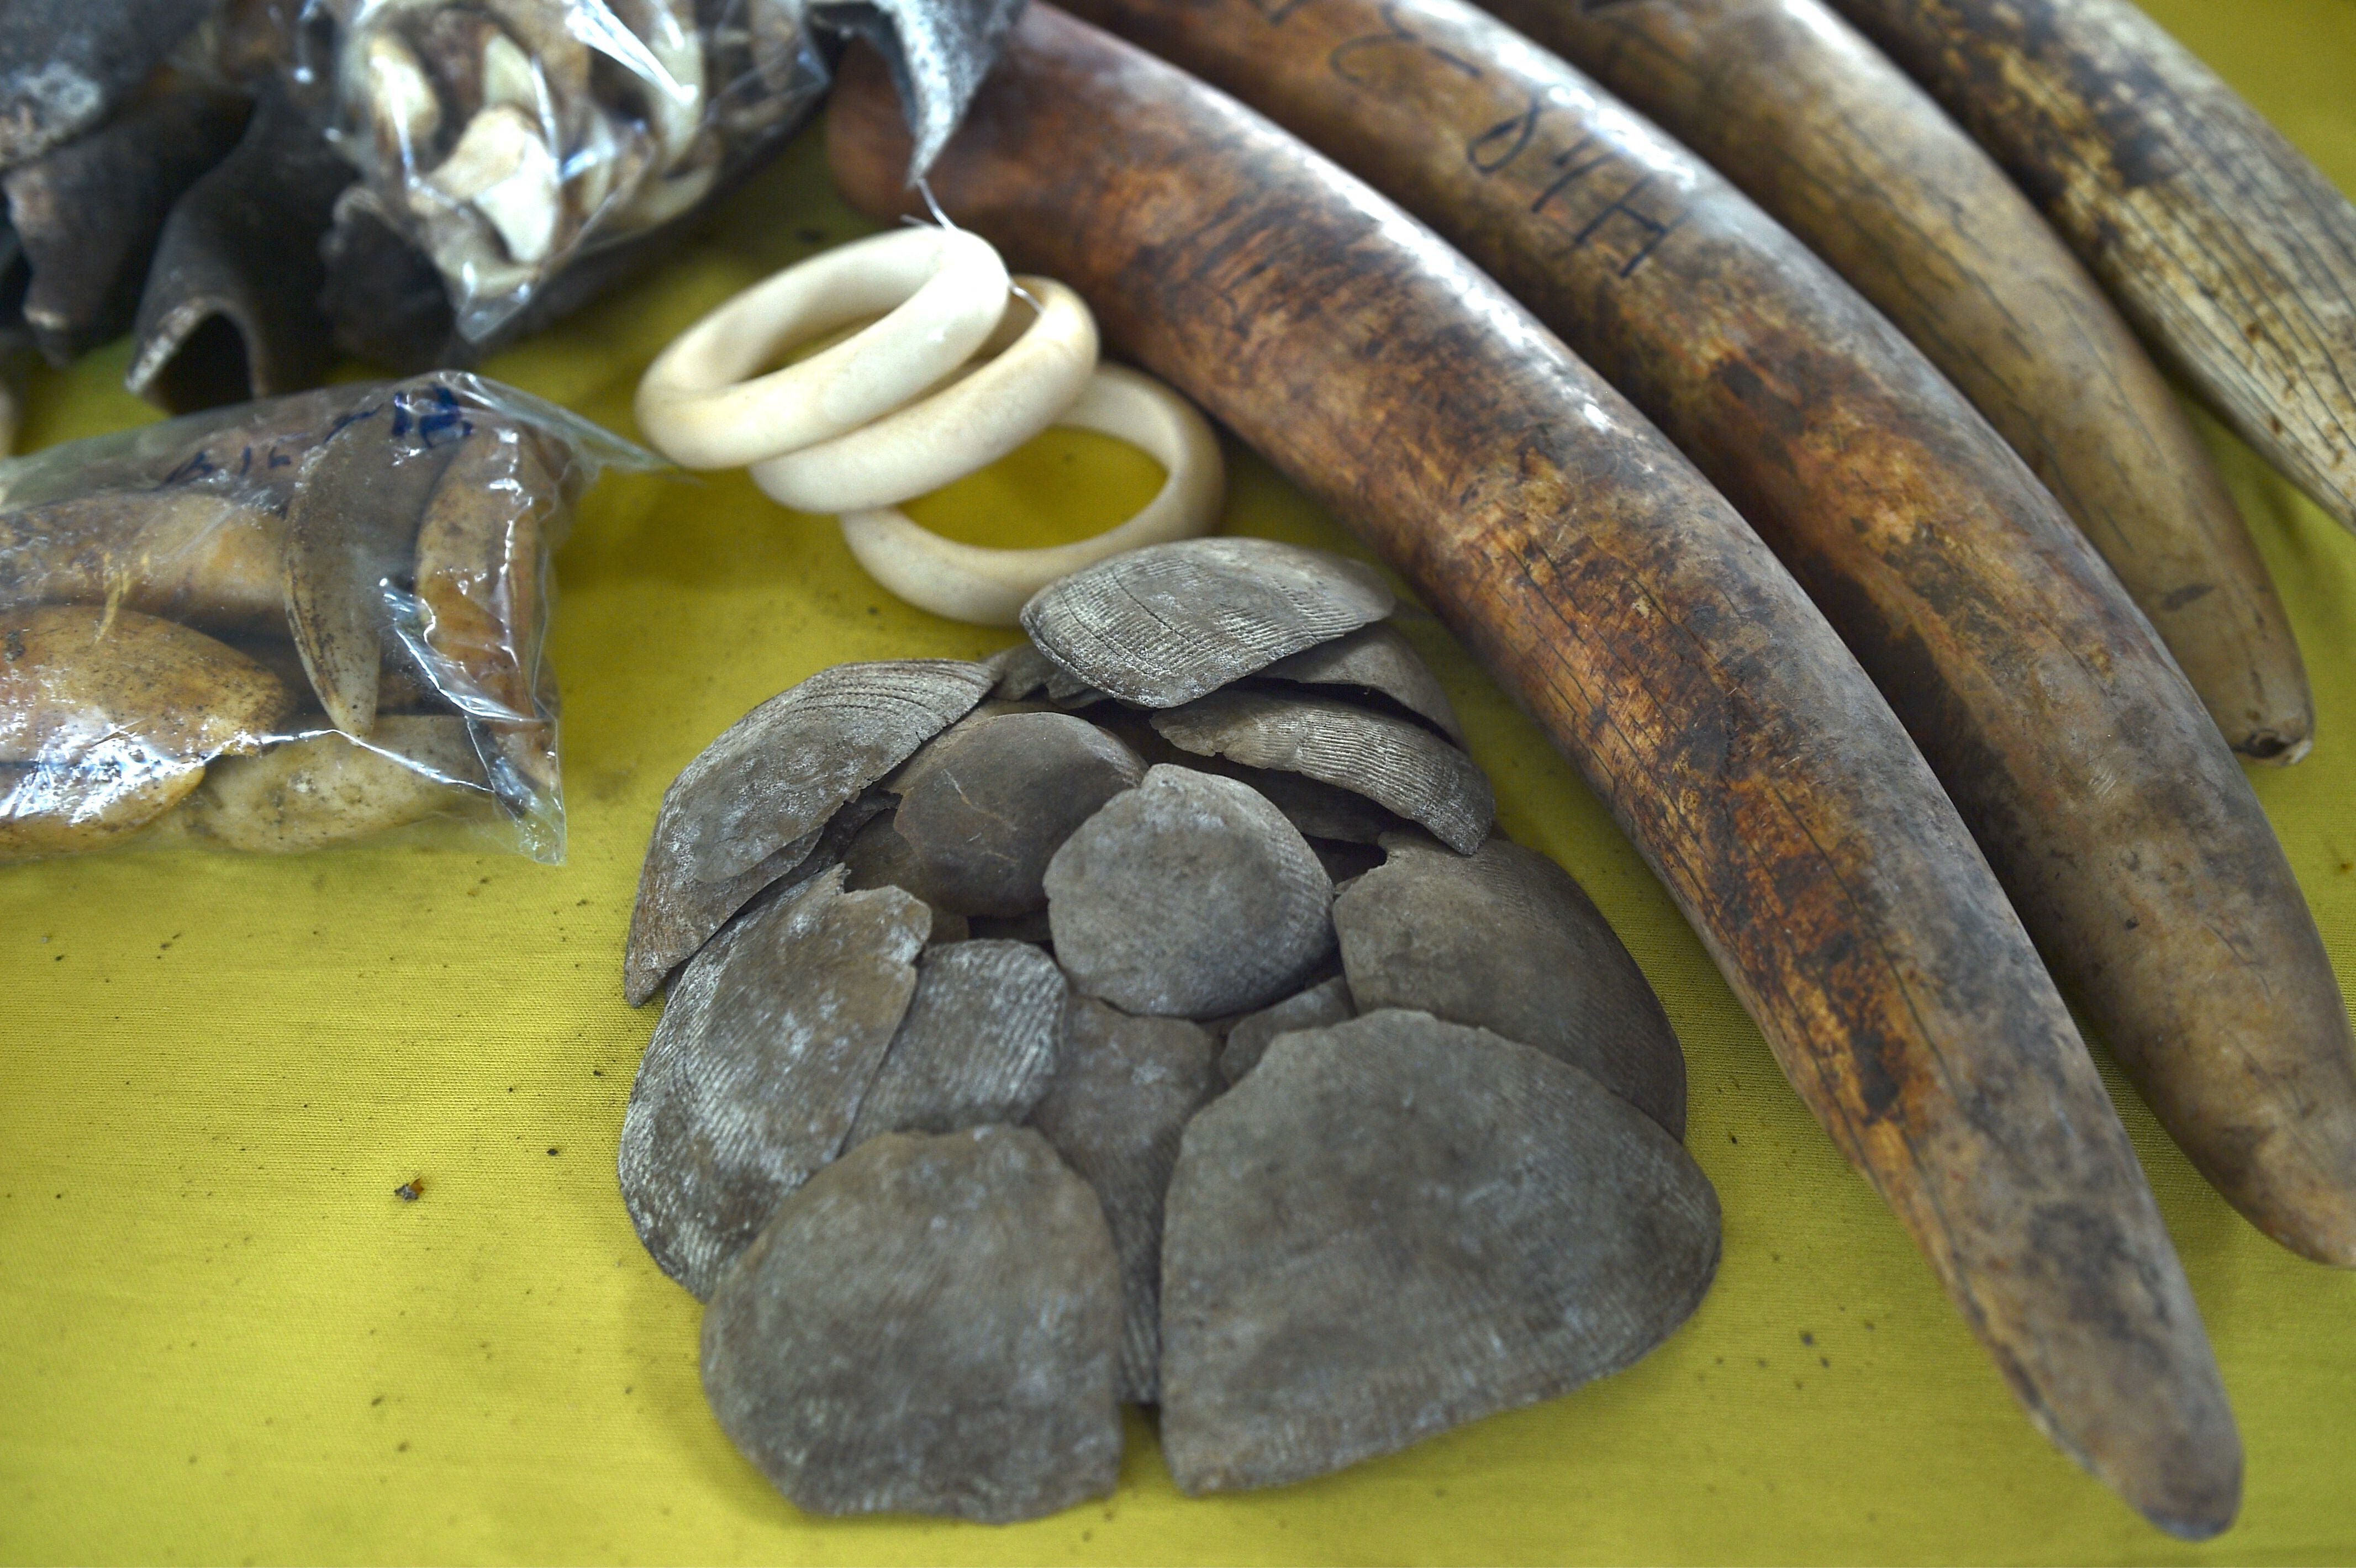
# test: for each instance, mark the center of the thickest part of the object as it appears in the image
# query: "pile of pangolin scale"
(1148, 1015)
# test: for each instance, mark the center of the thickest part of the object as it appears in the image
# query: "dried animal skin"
(382, 295)
(328, 789)
(773, 777)
(1326, 1002)
(1189, 895)
(987, 804)
(187, 554)
(66, 64)
(928, 1326)
(1165, 624)
(1377, 658)
(1397, 764)
(977, 1046)
(352, 533)
(1395, 1225)
(243, 40)
(757, 1086)
(1505, 940)
(1123, 1091)
(88, 214)
(231, 307)
(483, 611)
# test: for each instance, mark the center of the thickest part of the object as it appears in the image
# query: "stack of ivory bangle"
(948, 381)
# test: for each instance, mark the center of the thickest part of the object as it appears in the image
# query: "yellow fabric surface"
(223, 1338)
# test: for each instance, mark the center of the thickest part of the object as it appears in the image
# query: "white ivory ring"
(1044, 362)
(945, 291)
(990, 586)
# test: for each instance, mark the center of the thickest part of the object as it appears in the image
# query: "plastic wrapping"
(289, 624)
(505, 138)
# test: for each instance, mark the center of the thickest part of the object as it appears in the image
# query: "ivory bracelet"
(989, 587)
(944, 290)
(968, 424)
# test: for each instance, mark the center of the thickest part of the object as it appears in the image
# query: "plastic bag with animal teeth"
(289, 624)
(507, 138)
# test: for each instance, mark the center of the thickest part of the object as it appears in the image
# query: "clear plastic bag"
(505, 138)
(289, 624)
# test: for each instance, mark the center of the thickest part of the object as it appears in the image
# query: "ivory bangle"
(990, 586)
(968, 424)
(945, 289)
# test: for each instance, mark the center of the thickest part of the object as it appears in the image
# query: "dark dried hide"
(1505, 940)
(757, 1068)
(88, 215)
(928, 1326)
(1379, 661)
(1397, 763)
(231, 310)
(978, 1045)
(1188, 896)
(1167, 623)
(773, 776)
(1123, 1091)
(984, 806)
(382, 297)
(1396, 1225)
(65, 65)
(937, 52)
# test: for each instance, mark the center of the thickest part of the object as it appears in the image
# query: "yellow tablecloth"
(223, 1338)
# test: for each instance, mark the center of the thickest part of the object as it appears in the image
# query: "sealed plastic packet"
(505, 138)
(289, 624)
